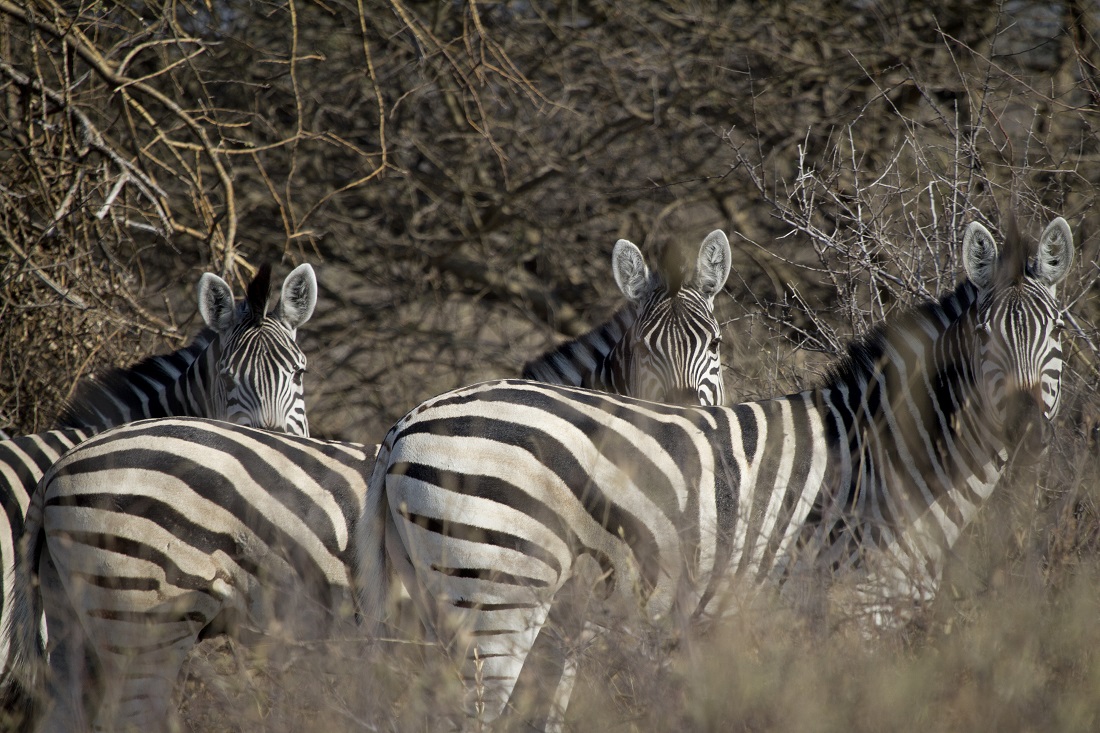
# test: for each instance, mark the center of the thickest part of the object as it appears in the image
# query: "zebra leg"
(137, 635)
(487, 622)
(71, 685)
(542, 691)
(138, 694)
(498, 641)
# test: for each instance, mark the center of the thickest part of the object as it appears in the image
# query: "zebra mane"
(97, 399)
(1015, 257)
(674, 269)
(865, 353)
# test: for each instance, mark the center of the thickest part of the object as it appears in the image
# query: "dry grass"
(1010, 658)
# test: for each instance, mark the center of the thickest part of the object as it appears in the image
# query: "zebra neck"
(914, 449)
(583, 362)
(150, 388)
(197, 392)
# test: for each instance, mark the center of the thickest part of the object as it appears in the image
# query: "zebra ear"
(713, 266)
(298, 298)
(216, 303)
(1055, 253)
(630, 270)
(979, 255)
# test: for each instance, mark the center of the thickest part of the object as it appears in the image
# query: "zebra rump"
(148, 537)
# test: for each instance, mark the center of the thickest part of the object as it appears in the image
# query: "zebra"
(485, 500)
(186, 527)
(663, 345)
(245, 366)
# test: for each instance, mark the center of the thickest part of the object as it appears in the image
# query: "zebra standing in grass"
(663, 345)
(245, 367)
(185, 528)
(230, 560)
(484, 499)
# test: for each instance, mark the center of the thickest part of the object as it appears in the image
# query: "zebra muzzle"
(1027, 431)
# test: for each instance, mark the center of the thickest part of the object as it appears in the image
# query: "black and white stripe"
(488, 496)
(662, 346)
(163, 531)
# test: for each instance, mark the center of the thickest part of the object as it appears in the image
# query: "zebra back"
(663, 345)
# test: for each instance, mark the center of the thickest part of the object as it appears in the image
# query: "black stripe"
(493, 576)
(466, 603)
(149, 616)
(766, 476)
(804, 452)
(727, 484)
(176, 576)
(491, 488)
(470, 533)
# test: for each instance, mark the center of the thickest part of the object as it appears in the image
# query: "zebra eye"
(716, 342)
(298, 376)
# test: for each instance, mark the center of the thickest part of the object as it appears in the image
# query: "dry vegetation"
(458, 172)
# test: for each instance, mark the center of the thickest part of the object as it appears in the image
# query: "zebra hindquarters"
(480, 575)
(122, 612)
(149, 566)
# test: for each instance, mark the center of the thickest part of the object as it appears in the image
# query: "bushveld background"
(457, 172)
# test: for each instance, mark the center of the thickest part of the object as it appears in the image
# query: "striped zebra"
(244, 367)
(484, 500)
(663, 345)
(179, 528)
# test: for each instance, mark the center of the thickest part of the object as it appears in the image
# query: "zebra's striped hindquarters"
(169, 529)
(494, 492)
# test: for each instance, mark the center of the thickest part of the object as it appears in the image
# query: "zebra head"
(671, 351)
(258, 380)
(1018, 327)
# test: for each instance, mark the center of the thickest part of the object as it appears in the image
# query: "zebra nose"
(1026, 430)
(683, 396)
